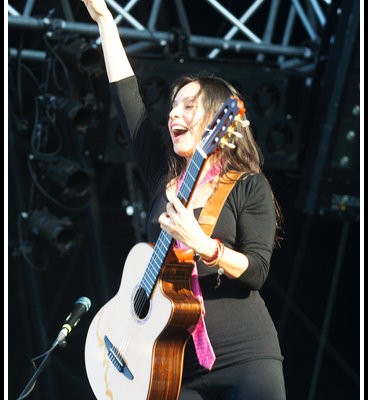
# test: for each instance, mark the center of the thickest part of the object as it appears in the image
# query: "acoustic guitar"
(135, 343)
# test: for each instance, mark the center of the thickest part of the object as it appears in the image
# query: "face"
(186, 120)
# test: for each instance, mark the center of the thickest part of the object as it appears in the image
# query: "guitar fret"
(185, 186)
(160, 251)
(191, 176)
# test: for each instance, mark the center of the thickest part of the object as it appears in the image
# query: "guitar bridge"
(117, 360)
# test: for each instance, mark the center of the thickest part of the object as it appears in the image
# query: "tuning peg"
(224, 142)
(243, 122)
(235, 133)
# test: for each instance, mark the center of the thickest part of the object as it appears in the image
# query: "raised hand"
(96, 8)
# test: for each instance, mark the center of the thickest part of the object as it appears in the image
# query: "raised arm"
(116, 60)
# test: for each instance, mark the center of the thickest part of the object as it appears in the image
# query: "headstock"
(217, 133)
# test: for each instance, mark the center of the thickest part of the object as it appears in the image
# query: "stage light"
(83, 116)
(77, 52)
(58, 232)
(69, 176)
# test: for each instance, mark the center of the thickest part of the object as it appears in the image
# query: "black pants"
(252, 380)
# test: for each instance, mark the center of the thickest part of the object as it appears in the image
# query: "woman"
(248, 360)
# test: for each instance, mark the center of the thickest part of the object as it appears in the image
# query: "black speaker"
(274, 100)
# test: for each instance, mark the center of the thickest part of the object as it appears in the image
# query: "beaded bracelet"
(215, 260)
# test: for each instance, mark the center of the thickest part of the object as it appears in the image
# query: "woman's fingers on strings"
(177, 204)
(170, 208)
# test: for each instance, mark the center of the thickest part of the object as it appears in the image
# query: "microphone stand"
(81, 306)
(31, 384)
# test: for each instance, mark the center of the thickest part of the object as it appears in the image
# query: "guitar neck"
(164, 240)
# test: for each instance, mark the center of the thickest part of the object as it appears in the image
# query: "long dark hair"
(246, 156)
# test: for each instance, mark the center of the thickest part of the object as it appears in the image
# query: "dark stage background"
(76, 205)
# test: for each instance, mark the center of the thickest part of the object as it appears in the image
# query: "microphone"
(81, 306)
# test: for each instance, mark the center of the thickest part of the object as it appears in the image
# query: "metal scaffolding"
(289, 31)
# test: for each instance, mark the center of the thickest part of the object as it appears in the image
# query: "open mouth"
(179, 131)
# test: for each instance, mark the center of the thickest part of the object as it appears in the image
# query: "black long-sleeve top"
(238, 323)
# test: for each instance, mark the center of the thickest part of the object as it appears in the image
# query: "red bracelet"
(217, 256)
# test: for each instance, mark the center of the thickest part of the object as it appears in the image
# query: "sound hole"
(141, 303)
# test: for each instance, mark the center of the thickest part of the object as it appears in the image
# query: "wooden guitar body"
(147, 346)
